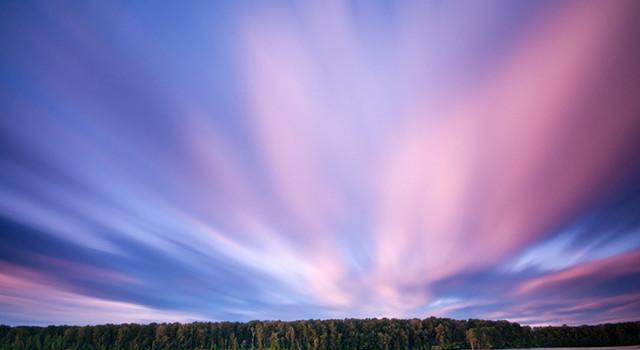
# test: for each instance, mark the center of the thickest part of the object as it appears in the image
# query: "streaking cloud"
(320, 159)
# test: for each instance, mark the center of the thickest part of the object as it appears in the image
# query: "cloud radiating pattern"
(322, 159)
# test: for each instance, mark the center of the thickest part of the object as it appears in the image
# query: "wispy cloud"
(225, 161)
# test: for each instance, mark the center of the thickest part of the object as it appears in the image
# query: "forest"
(362, 334)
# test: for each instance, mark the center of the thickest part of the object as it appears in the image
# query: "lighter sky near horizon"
(182, 161)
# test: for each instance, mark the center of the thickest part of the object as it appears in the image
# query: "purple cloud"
(224, 161)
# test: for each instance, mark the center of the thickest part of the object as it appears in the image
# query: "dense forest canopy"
(366, 334)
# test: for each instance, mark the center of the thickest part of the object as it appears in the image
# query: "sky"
(202, 160)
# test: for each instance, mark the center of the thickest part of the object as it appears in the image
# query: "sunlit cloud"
(320, 160)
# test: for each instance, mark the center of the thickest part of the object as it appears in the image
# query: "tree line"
(357, 334)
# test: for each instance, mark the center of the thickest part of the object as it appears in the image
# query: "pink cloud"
(28, 296)
(591, 273)
(475, 178)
